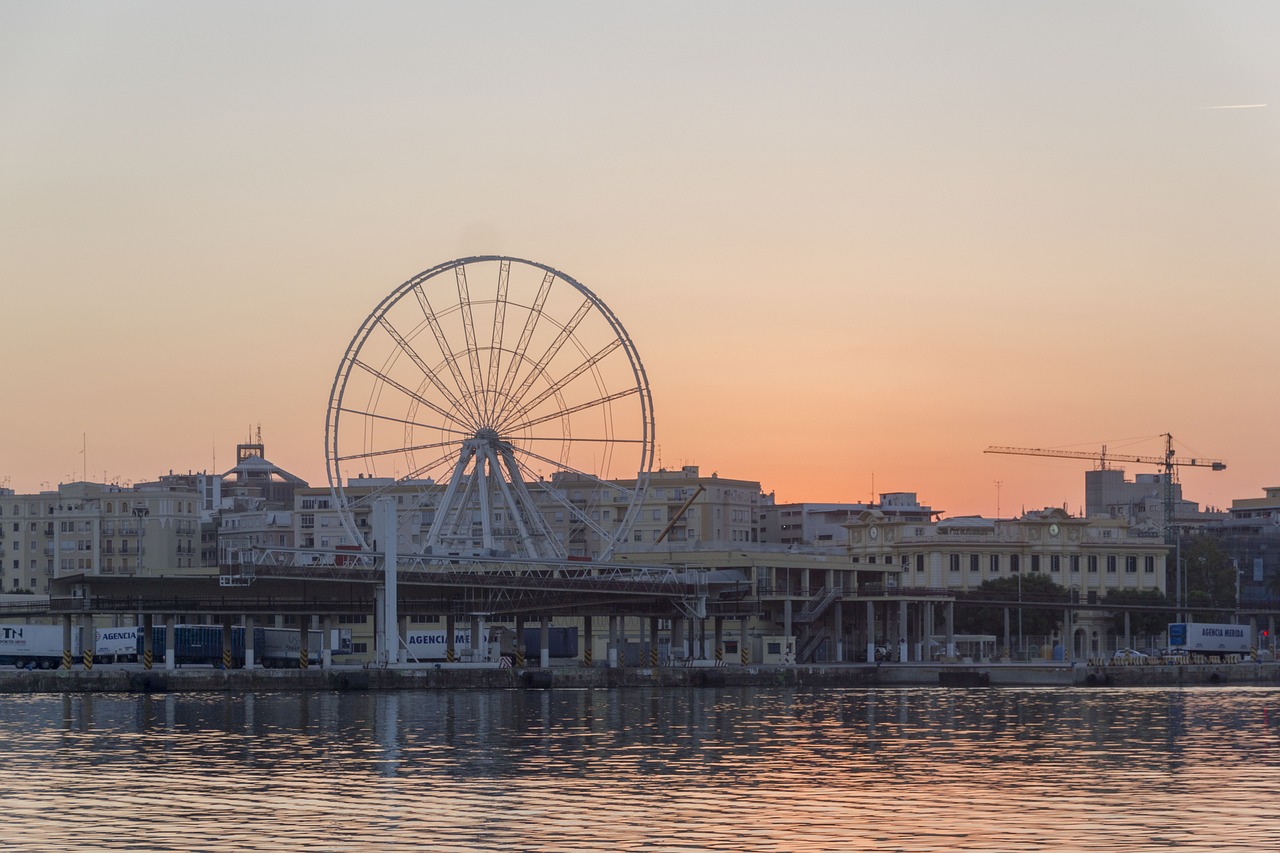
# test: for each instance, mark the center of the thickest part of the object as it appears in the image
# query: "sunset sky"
(854, 243)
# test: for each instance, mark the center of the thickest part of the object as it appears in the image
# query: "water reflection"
(735, 769)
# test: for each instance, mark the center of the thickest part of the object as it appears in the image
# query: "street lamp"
(140, 514)
(1235, 564)
(1022, 650)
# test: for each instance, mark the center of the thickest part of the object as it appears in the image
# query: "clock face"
(1053, 530)
(873, 532)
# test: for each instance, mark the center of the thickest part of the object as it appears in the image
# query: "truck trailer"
(41, 647)
(273, 648)
(430, 645)
(1205, 638)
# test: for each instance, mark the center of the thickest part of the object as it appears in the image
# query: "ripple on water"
(729, 769)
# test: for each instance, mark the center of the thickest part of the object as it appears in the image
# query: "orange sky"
(852, 243)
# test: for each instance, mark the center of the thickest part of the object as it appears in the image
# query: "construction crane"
(1168, 462)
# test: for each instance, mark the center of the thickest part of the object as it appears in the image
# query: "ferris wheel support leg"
(384, 527)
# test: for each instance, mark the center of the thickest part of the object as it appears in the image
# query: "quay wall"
(132, 680)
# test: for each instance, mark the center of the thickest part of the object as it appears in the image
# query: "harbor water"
(780, 769)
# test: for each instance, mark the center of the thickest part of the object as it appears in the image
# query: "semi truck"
(41, 646)
(1206, 638)
(431, 645)
(273, 648)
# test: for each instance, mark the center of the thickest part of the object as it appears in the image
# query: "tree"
(1210, 578)
(1140, 621)
(1036, 621)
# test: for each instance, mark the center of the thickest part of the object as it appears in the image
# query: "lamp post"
(1022, 651)
(140, 514)
(1177, 581)
(1235, 564)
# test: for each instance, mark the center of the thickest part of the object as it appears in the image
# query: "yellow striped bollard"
(304, 660)
(746, 655)
(146, 659)
(88, 658)
(226, 658)
(653, 656)
(66, 659)
(719, 655)
(520, 656)
(586, 656)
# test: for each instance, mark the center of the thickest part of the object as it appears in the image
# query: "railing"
(818, 604)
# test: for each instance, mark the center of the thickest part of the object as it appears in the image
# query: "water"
(729, 769)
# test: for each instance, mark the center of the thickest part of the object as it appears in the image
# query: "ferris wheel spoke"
(415, 474)
(412, 395)
(496, 336)
(522, 346)
(372, 454)
(405, 421)
(591, 404)
(469, 333)
(450, 357)
(569, 469)
(540, 367)
(524, 409)
(575, 439)
(569, 505)
(408, 349)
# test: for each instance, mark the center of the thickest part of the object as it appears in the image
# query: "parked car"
(1128, 655)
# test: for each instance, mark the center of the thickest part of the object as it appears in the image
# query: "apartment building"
(91, 528)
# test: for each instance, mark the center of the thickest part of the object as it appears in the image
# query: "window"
(919, 562)
(1093, 564)
(1075, 564)
(1015, 563)
(1055, 563)
(955, 562)
(1131, 564)
(1111, 564)
(1149, 564)
(1035, 563)
(994, 564)
(974, 563)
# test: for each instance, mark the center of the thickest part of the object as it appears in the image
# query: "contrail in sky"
(1238, 107)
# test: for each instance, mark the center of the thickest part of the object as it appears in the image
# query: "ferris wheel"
(505, 408)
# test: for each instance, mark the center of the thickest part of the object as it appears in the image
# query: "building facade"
(1090, 557)
(95, 529)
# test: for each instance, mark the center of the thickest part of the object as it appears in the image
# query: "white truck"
(431, 645)
(282, 647)
(1206, 638)
(40, 646)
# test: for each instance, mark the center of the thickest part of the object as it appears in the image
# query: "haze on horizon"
(855, 244)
